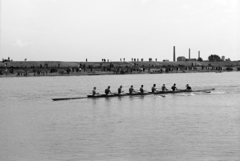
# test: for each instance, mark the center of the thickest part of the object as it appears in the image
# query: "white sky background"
(73, 30)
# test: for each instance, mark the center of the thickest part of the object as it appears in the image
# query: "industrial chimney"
(189, 54)
(174, 53)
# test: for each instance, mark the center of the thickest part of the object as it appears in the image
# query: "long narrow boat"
(150, 93)
(135, 94)
(69, 98)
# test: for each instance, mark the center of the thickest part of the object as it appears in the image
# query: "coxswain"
(108, 91)
(154, 89)
(94, 91)
(188, 87)
(131, 89)
(141, 89)
(164, 88)
(174, 88)
(120, 90)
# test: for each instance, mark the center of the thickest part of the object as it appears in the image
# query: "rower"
(188, 87)
(174, 88)
(164, 88)
(120, 90)
(131, 90)
(94, 91)
(107, 91)
(154, 89)
(141, 89)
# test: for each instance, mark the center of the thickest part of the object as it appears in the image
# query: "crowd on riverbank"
(96, 68)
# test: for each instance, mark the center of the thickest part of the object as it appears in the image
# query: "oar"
(95, 94)
(207, 92)
(162, 95)
(145, 91)
(180, 89)
(135, 91)
(116, 93)
(160, 91)
(122, 92)
(63, 99)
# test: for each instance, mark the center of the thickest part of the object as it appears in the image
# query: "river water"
(178, 127)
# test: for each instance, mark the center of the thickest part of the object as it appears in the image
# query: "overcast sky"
(73, 30)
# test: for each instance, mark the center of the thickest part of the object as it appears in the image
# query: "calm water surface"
(180, 127)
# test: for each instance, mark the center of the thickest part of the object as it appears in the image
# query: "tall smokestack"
(198, 54)
(0, 27)
(189, 54)
(174, 53)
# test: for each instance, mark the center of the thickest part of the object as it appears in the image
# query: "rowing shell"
(149, 93)
(134, 94)
(71, 98)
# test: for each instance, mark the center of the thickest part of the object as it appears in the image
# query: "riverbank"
(58, 68)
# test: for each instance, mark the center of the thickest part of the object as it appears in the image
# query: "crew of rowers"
(154, 89)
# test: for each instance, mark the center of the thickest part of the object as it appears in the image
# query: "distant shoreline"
(57, 68)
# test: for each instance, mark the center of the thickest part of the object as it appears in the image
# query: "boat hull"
(162, 93)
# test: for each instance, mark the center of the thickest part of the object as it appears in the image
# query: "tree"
(214, 58)
(200, 59)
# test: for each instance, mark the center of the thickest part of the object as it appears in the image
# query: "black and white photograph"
(119, 80)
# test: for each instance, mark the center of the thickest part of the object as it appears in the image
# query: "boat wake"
(185, 94)
(218, 92)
